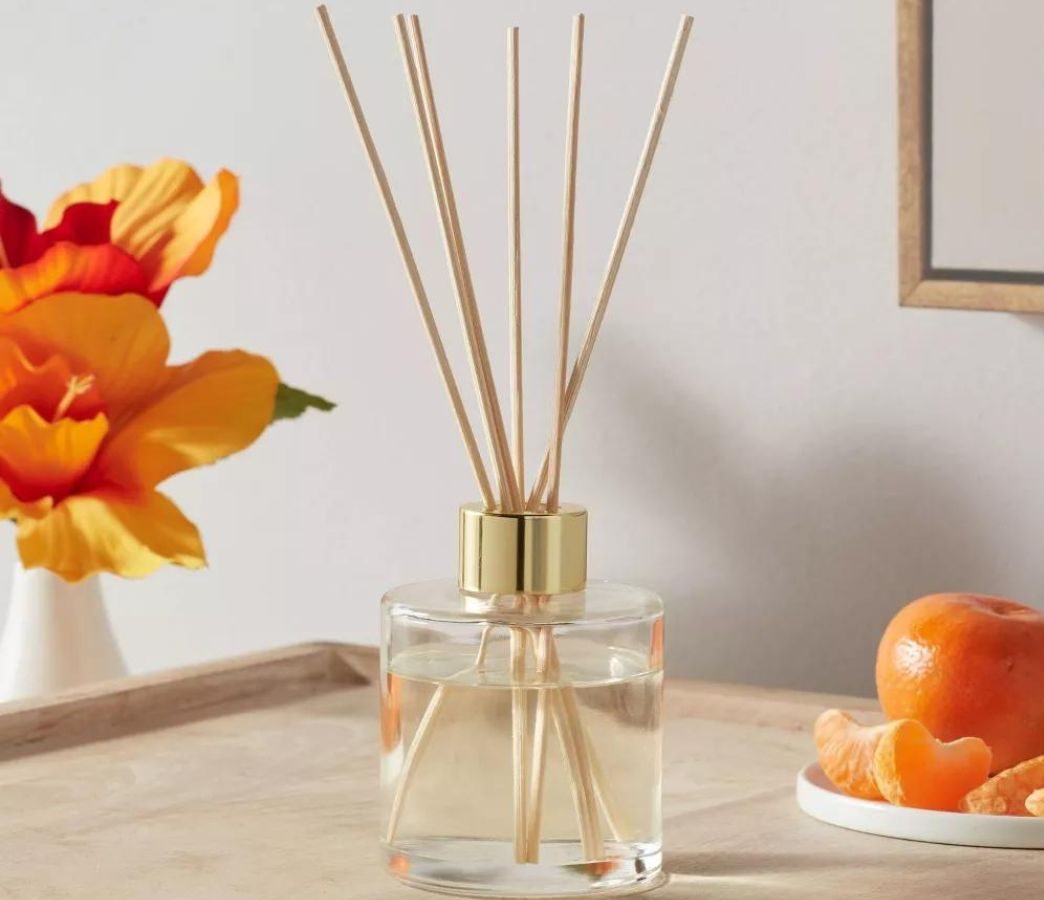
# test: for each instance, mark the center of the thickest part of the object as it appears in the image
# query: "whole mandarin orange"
(967, 665)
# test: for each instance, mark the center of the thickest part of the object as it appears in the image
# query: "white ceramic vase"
(57, 636)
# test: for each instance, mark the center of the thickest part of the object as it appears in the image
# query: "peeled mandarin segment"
(1035, 802)
(913, 769)
(846, 752)
(1007, 794)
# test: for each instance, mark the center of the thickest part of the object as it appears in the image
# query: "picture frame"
(920, 283)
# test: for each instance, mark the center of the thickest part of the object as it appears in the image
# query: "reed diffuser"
(520, 702)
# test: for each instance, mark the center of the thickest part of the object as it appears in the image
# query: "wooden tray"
(256, 778)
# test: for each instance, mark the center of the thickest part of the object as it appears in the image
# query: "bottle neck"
(537, 609)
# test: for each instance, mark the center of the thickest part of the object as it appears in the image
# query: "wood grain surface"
(256, 778)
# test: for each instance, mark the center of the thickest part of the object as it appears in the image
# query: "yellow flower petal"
(13, 508)
(194, 234)
(113, 184)
(121, 340)
(130, 535)
(149, 198)
(166, 218)
(45, 459)
(211, 407)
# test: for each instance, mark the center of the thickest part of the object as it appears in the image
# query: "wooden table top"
(256, 779)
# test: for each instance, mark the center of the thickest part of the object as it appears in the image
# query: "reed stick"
(524, 810)
(511, 493)
(422, 736)
(523, 798)
(511, 497)
(619, 826)
(623, 234)
(568, 232)
(409, 262)
(539, 638)
(515, 265)
(539, 754)
(565, 714)
(520, 740)
(564, 709)
(453, 253)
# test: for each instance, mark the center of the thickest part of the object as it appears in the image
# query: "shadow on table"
(740, 875)
(713, 863)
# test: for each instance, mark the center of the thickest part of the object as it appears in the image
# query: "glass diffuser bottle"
(521, 718)
(520, 704)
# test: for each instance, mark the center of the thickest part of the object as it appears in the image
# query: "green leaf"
(291, 402)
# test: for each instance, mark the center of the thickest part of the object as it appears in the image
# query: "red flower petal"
(102, 269)
(85, 224)
(19, 242)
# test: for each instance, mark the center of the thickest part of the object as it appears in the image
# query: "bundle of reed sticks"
(507, 491)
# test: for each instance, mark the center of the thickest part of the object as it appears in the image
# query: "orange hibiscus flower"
(131, 230)
(93, 419)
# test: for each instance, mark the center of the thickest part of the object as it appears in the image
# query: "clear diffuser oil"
(504, 776)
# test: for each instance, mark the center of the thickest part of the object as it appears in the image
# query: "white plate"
(821, 800)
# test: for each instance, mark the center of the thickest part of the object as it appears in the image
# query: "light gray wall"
(988, 134)
(765, 436)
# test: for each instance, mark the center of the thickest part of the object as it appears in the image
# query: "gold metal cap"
(523, 553)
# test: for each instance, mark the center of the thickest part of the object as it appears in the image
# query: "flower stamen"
(78, 386)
